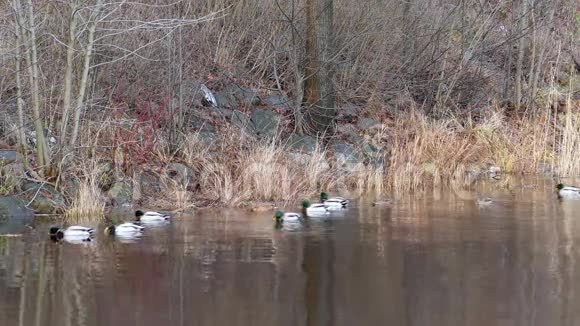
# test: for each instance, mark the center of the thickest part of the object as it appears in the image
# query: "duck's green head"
(110, 230)
(279, 216)
(560, 186)
(306, 204)
(323, 196)
(56, 233)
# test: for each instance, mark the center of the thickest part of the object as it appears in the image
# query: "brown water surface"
(435, 260)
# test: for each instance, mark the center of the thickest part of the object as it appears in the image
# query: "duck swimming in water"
(333, 203)
(73, 233)
(150, 217)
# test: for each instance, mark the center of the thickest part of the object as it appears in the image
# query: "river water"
(427, 260)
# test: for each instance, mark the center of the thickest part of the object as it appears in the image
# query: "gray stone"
(305, 158)
(234, 96)
(200, 124)
(121, 194)
(265, 122)
(303, 143)
(345, 154)
(367, 123)
(208, 137)
(14, 216)
(277, 101)
(240, 120)
(223, 112)
(180, 172)
(10, 156)
(45, 198)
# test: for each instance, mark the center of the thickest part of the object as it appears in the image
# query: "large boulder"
(14, 216)
(121, 194)
(346, 156)
(265, 122)
(303, 143)
(45, 199)
(277, 101)
(234, 96)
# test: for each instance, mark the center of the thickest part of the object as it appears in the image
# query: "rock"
(234, 96)
(265, 122)
(302, 143)
(45, 198)
(150, 183)
(346, 156)
(223, 112)
(200, 124)
(121, 194)
(367, 124)
(240, 120)
(277, 101)
(10, 156)
(208, 137)
(14, 216)
(180, 172)
(305, 159)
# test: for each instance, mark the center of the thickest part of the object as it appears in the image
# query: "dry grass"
(88, 205)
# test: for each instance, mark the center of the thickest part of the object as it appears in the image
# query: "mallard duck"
(568, 191)
(484, 202)
(382, 202)
(72, 233)
(150, 217)
(334, 202)
(124, 230)
(281, 217)
(314, 210)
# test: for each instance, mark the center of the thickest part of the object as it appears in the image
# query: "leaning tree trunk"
(318, 88)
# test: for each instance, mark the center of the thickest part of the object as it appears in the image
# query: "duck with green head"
(568, 191)
(288, 217)
(124, 230)
(314, 210)
(334, 203)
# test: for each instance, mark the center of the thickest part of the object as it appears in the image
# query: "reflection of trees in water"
(318, 266)
(409, 265)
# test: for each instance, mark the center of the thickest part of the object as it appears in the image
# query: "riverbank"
(252, 158)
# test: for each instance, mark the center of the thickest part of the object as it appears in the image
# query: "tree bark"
(32, 62)
(67, 93)
(85, 74)
(19, 100)
(521, 51)
(319, 89)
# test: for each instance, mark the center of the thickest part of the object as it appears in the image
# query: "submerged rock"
(14, 216)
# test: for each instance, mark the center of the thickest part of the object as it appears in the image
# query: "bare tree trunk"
(19, 100)
(67, 95)
(32, 62)
(319, 89)
(521, 51)
(85, 74)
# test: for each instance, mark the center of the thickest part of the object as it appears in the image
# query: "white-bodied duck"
(288, 217)
(125, 230)
(75, 233)
(151, 217)
(568, 191)
(333, 203)
(314, 210)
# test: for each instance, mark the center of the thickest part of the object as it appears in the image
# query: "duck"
(334, 203)
(150, 217)
(124, 230)
(314, 210)
(281, 217)
(73, 233)
(484, 202)
(382, 202)
(568, 191)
